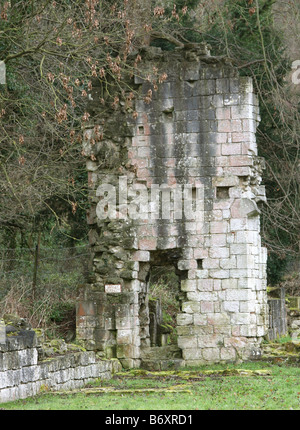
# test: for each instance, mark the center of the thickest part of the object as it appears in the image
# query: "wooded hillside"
(53, 50)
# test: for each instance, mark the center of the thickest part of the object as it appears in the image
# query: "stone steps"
(161, 358)
(288, 352)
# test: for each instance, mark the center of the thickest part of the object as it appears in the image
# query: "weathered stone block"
(86, 308)
(189, 285)
(241, 318)
(210, 341)
(185, 342)
(219, 273)
(207, 307)
(205, 284)
(228, 263)
(202, 295)
(201, 274)
(244, 208)
(239, 248)
(28, 357)
(223, 113)
(199, 319)
(219, 252)
(211, 354)
(184, 319)
(187, 264)
(124, 337)
(228, 354)
(192, 354)
(191, 307)
(218, 227)
(238, 295)
(231, 306)
(218, 319)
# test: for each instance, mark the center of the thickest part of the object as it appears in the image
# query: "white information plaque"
(113, 288)
(2, 73)
(2, 331)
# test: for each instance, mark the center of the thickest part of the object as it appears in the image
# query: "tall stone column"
(177, 179)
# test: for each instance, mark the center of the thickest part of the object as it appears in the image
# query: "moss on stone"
(75, 348)
(288, 352)
(12, 333)
(186, 374)
(113, 390)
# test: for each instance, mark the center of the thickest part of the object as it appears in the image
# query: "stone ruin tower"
(194, 148)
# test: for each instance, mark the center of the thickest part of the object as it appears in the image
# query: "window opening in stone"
(191, 82)
(194, 199)
(141, 129)
(168, 114)
(222, 192)
(200, 264)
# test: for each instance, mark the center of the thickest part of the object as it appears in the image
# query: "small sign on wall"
(2, 331)
(2, 73)
(113, 288)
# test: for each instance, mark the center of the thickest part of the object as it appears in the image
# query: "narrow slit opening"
(200, 264)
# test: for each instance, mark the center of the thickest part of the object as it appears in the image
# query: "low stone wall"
(23, 375)
(293, 321)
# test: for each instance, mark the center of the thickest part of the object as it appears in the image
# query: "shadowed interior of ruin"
(162, 279)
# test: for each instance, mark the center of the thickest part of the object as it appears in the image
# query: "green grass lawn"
(280, 389)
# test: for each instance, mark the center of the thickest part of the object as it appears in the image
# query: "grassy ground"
(278, 390)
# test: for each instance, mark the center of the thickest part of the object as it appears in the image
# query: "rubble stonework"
(198, 132)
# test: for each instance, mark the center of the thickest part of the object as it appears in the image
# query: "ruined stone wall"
(196, 138)
(23, 375)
